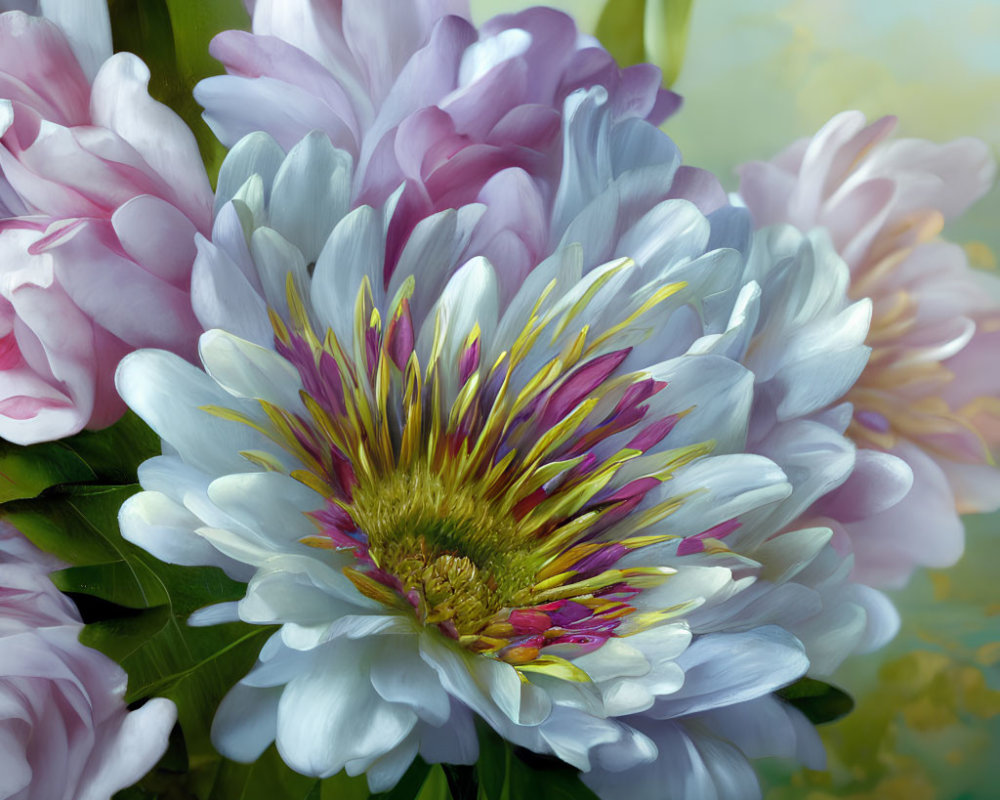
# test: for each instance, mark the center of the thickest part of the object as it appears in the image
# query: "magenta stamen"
(468, 363)
(578, 386)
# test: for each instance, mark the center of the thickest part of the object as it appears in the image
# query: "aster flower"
(931, 391)
(65, 733)
(95, 179)
(461, 493)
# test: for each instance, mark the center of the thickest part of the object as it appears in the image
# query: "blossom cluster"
(498, 412)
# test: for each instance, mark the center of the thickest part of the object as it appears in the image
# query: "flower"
(95, 179)
(415, 93)
(531, 499)
(931, 391)
(65, 733)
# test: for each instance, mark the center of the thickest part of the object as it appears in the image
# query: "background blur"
(758, 75)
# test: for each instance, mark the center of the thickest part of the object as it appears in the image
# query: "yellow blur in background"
(759, 74)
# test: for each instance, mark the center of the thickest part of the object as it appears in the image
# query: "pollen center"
(455, 557)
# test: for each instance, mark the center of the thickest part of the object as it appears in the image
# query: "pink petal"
(35, 51)
(120, 102)
(120, 296)
(921, 530)
(158, 237)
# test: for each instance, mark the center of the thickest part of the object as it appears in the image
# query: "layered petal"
(927, 394)
(101, 192)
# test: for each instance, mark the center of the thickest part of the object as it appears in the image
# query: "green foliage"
(819, 701)
(647, 30)
(344, 787)
(26, 471)
(108, 457)
(505, 775)
(266, 779)
(172, 37)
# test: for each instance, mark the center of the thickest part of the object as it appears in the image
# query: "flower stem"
(462, 781)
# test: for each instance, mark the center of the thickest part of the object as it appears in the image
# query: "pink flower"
(931, 391)
(101, 192)
(415, 93)
(65, 733)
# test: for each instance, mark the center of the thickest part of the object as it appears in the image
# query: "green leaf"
(435, 785)
(492, 764)
(27, 471)
(620, 29)
(504, 775)
(819, 701)
(665, 33)
(61, 525)
(343, 787)
(555, 781)
(110, 456)
(266, 779)
(647, 30)
(135, 793)
(144, 602)
(114, 454)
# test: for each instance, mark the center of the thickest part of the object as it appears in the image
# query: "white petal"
(768, 727)
(217, 614)
(270, 504)
(572, 735)
(354, 250)
(245, 722)
(169, 394)
(384, 773)
(165, 529)
(279, 597)
(250, 371)
(586, 161)
(721, 669)
(400, 676)
(617, 658)
(469, 299)
(789, 552)
(430, 255)
(254, 154)
(669, 231)
(223, 297)
(275, 258)
(311, 193)
(455, 742)
(489, 687)
(319, 713)
(689, 765)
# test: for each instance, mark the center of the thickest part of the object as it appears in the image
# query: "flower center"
(455, 557)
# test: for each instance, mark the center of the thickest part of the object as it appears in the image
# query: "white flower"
(537, 501)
